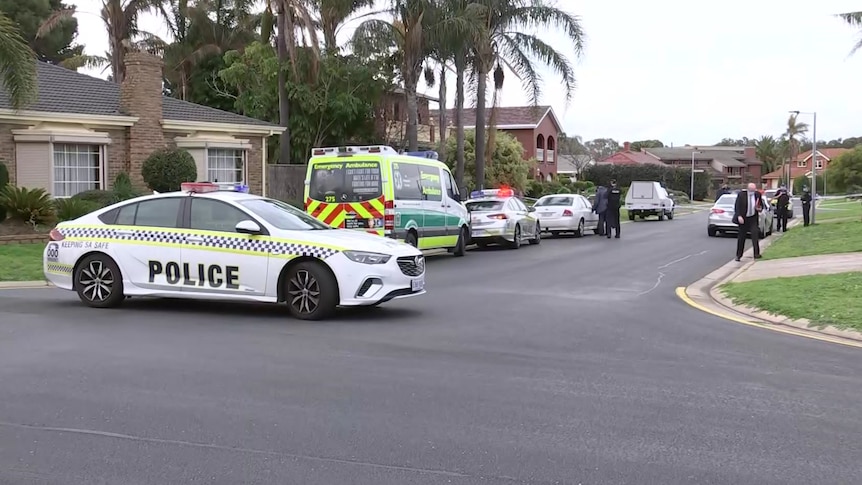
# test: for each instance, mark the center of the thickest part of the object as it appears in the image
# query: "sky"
(677, 71)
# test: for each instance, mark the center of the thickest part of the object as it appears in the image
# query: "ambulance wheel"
(538, 238)
(98, 281)
(411, 239)
(461, 245)
(312, 292)
(516, 241)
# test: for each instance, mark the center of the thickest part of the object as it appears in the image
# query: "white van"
(648, 199)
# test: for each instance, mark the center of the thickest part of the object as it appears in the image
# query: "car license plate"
(546, 214)
(417, 284)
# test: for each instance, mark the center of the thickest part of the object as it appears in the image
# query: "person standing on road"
(724, 190)
(806, 206)
(782, 208)
(613, 212)
(600, 207)
(746, 214)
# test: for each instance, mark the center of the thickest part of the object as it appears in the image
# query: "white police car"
(211, 241)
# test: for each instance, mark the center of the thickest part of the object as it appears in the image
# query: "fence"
(286, 182)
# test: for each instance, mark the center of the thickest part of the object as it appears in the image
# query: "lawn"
(21, 262)
(831, 210)
(821, 299)
(836, 237)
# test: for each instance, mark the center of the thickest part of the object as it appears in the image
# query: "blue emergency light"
(424, 154)
(205, 187)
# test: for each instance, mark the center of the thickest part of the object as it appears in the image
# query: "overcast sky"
(680, 71)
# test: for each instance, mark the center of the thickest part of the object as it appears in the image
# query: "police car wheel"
(98, 282)
(516, 240)
(538, 236)
(312, 292)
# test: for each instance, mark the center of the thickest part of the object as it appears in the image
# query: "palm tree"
(792, 134)
(121, 21)
(505, 44)
(17, 65)
(333, 14)
(853, 19)
(768, 151)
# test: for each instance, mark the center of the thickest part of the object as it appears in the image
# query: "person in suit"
(600, 207)
(746, 214)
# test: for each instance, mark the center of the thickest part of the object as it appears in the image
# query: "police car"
(211, 241)
(497, 216)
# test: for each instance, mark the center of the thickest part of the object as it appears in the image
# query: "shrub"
(507, 166)
(164, 170)
(101, 198)
(4, 181)
(33, 206)
(68, 209)
(123, 189)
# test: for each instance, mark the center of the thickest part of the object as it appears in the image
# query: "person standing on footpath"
(600, 207)
(724, 190)
(613, 212)
(782, 209)
(806, 206)
(746, 214)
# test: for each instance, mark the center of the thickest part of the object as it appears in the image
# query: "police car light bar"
(205, 187)
(426, 154)
(347, 151)
(501, 192)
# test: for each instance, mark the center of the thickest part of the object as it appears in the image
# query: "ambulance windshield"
(347, 181)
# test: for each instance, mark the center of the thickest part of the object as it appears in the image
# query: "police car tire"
(116, 296)
(461, 245)
(516, 239)
(538, 238)
(326, 285)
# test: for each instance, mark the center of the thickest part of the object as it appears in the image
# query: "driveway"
(571, 362)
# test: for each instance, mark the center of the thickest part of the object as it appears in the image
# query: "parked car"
(645, 199)
(498, 217)
(721, 221)
(566, 213)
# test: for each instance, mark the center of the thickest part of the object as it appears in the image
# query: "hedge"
(675, 179)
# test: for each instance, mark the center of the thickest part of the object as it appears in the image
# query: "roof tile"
(506, 115)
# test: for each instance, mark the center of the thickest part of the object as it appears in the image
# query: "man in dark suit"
(746, 214)
(600, 207)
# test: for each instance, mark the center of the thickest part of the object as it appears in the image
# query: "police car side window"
(158, 212)
(126, 215)
(214, 215)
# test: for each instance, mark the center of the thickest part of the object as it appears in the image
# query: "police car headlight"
(367, 258)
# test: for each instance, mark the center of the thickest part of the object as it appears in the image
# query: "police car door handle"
(122, 232)
(194, 239)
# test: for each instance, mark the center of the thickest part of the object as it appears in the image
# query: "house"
(572, 165)
(536, 127)
(391, 119)
(733, 166)
(83, 131)
(802, 166)
(628, 157)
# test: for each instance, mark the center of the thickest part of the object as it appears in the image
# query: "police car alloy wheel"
(312, 292)
(98, 282)
(516, 242)
(538, 238)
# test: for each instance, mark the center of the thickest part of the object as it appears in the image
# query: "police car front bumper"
(362, 284)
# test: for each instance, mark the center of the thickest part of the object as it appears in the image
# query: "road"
(571, 362)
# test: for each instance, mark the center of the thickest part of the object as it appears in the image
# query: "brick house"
(83, 131)
(802, 166)
(536, 127)
(391, 119)
(734, 166)
(628, 157)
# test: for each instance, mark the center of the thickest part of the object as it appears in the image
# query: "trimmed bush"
(164, 170)
(123, 189)
(33, 206)
(71, 208)
(4, 181)
(101, 198)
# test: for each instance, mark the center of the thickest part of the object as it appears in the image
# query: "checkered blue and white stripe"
(257, 245)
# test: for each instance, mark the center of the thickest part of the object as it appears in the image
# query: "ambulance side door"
(409, 210)
(149, 243)
(216, 259)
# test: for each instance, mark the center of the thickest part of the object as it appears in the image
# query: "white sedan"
(566, 213)
(214, 242)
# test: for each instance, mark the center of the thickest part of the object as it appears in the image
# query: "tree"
(509, 166)
(17, 68)
(504, 43)
(768, 150)
(731, 142)
(331, 16)
(853, 19)
(333, 108)
(846, 170)
(602, 148)
(47, 26)
(640, 145)
(573, 148)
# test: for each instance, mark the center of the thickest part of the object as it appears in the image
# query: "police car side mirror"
(247, 227)
(531, 209)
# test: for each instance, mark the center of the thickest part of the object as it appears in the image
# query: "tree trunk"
(283, 102)
(443, 121)
(459, 124)
(330, 43)
(481, 90)
(117, 61)
(412, 113)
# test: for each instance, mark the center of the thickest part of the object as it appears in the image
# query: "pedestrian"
(600, 207)
(746, 214)
(724, 190)
(612, 217)
(806, 206)
(782, 209)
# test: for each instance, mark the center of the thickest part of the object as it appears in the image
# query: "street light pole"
(813, 160)
(691, 192)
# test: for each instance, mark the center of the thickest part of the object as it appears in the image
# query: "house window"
(77, 168)
(802, 164)
(225, 165)
(818, 164)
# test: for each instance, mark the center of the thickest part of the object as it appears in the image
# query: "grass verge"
(833, 238)
(21, 262)
(820, 299)
(838, 209)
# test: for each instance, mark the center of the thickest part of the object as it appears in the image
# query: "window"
(447, 181)
(354, 181)
(77, 168)
(158, 212)
(214, 215)
(819, 164)
(225, 165)
(408, 183)
(485, 205)
(554, 201)
(430, 180)
(802, 164)
(283, 216)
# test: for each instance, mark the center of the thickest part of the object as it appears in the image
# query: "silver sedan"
(566, 213)
(721, 218)
(502, 220)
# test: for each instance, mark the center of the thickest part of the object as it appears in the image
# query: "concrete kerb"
(20, 285)
(706, 292)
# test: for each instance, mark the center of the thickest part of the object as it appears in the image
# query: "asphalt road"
(571, 362)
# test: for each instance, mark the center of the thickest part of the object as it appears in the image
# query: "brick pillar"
(141, 96)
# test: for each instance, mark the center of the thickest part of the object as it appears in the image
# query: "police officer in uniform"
(806, 206)
(781, 207)
(613, 213)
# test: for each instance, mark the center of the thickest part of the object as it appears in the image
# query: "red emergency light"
(199, 187)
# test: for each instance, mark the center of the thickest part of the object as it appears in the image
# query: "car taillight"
(498, 216)
(567, 213)
(389, 215)
(718, 211)
(55, 235)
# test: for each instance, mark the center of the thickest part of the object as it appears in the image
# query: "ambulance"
(409, 197)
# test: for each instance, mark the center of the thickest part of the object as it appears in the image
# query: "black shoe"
(617, 236)
(757, 256)
(609, 236)
(738, 259)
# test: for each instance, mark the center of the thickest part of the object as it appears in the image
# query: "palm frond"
(57, 18)
(85, 61)
(518, 50)
(17, 66)
(853, 19)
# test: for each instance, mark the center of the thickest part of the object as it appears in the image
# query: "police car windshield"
(485, 205)
(283, 216)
